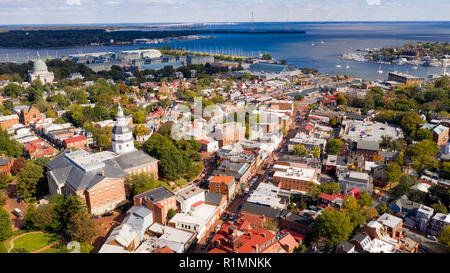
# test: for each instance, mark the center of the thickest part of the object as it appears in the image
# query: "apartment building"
(223, 184)
(229, 133)
(295, 178)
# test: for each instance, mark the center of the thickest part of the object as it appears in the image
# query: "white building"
(40, 72)
(266, 194)
(439, 222)
(122, 136)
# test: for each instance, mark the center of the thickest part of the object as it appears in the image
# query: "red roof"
(74, 139)
(196, 204)
(217, 250)
(297, 236)
(308, 127)
(331, 197)
(204, 142)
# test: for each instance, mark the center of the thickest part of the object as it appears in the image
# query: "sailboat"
(313, 44)
(347, 66)
(379, 70)
(338, 65)
(322, 42)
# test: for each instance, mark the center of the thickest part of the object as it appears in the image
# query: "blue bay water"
(297, 49)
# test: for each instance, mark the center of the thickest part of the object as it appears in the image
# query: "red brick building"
(223, 184)
(76, 142)
(31, 114)
(254, 240)
(7, 122)
(6, 164)
(159, 201)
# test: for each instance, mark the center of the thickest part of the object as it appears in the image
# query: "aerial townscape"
(162, 147)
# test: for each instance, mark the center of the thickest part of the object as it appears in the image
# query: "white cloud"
(373, 2)
(73, 2)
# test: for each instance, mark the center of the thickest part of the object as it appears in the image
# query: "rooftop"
(156, 195)
(389, 220)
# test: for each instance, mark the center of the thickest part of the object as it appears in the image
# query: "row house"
(7, 122)
(76, 142)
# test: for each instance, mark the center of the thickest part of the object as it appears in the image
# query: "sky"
(13, 12)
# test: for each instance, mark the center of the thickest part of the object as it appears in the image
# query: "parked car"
(107, 214)
(95, 216)
(18, 212)
(431, 237)
(239, 207)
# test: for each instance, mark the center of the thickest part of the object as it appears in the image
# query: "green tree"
(12, 90)
(444, 238)
(9, 147)
(365, 199)
(406, 182)
(300, 150)
(301, 248)
(330, 188)
(316, 152)
(441, 208)
(141, 183)
(139, 117)
(393, 172)
(422, 134)
(170, 214)
(28, 179)
(333, 225)
(81, 228)
(5, 225)
(444, 170)
(334, 146)
(173, 162)
(384, 208)
(65, 208)
(410, 121)
(4, 181)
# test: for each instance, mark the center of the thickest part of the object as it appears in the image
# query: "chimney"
(256, 248)
(163, 231)
(103, 173)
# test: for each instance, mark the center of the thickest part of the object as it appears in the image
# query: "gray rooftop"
(188, 192)
(368, 145)
(261, 210)
(156, 195)
(81, 170)
(213, 198)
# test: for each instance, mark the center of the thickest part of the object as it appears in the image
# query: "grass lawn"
(35, 241)
(3, 248)
(52, 250)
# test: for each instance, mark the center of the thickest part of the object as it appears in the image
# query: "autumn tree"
(333, 225)
(81, 228)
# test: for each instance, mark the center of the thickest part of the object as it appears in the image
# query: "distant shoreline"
(103, 37)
